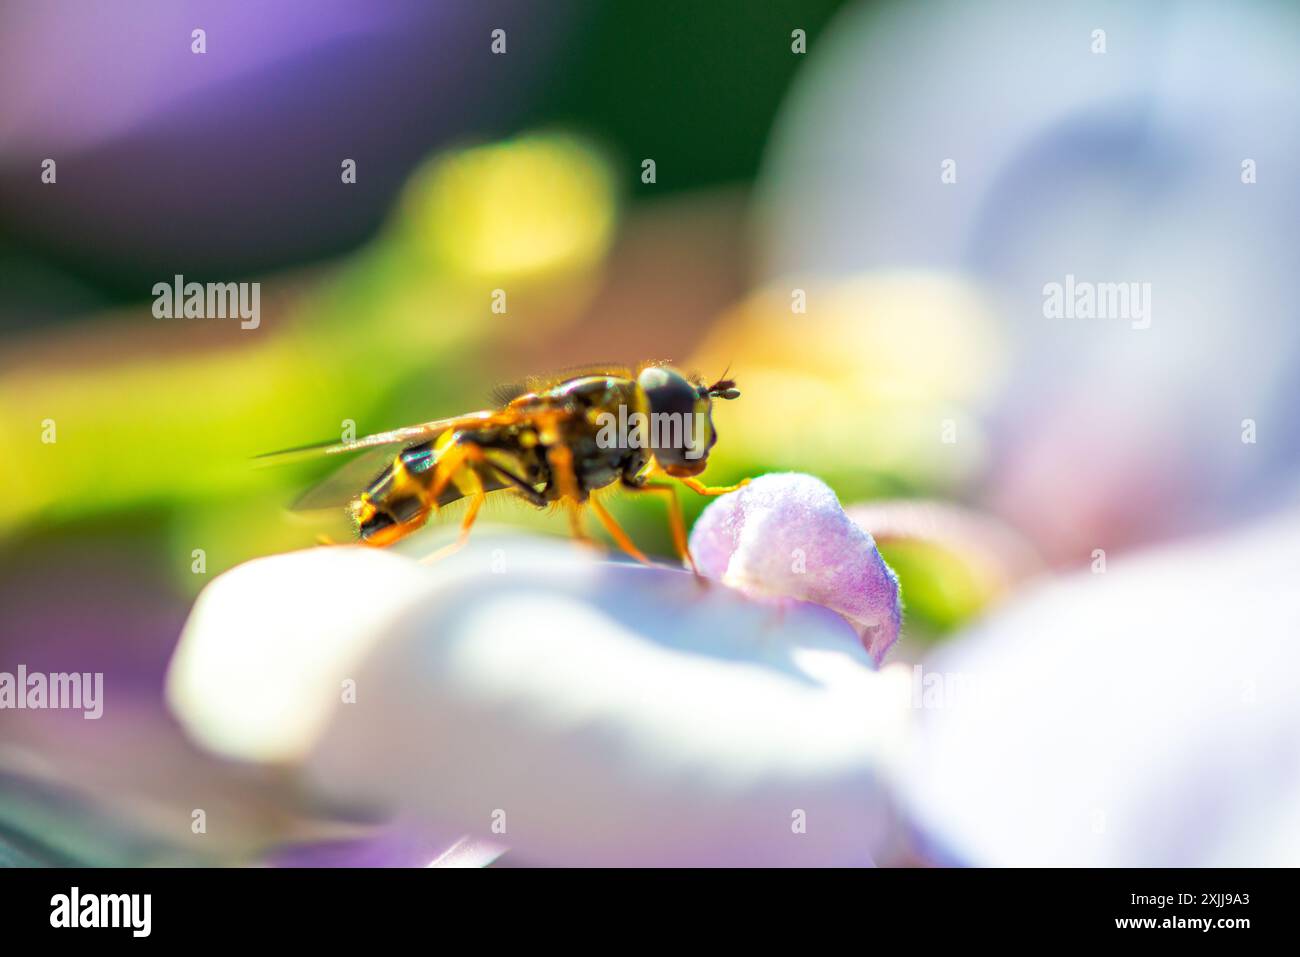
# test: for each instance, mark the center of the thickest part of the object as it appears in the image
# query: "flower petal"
(580, 711)
(1144, 716)
(393, 846)
(309, 615)
(785, 535)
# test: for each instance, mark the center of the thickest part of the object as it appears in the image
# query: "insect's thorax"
(587, 403)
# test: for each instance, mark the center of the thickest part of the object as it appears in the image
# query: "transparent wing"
(407, 435)
(348, 481)
(373, 453)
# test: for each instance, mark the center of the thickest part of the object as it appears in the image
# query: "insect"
(551, 443)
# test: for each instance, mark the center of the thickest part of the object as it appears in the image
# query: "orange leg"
(448, 465)
(477, 498)
(699, 487)
(616, 532)
(458, 459)
(676, 522)
(560, 458)
(575, 524)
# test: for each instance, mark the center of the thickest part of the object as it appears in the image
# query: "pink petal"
(786, 536)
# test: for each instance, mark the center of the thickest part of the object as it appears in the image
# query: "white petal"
(599, 713)
(260, 664)
(1145, 716)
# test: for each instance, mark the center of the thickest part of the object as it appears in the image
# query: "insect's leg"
(699, 487)
(560, 458)
(616, 532)
(461, 458)
(531, 494)
(476, 499)
(676, 523)
(564, 478)
(449, 463)
(575, 524)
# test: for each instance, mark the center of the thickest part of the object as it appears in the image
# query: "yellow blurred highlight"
(529, 205)
(882, 375)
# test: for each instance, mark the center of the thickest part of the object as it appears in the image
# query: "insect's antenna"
(724, 388)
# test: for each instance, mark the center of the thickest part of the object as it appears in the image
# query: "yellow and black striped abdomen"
(399, 498)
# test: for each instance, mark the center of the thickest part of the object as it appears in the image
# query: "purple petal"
(786, 536)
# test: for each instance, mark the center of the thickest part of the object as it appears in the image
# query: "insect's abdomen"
(398, 501)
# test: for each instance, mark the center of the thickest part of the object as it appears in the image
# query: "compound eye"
(680, 427)
(668, 391)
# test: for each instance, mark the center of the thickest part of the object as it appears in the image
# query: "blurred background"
(855, 206)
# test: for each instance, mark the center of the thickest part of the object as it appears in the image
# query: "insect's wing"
(349, 480)
(372, 453)
(408, 435)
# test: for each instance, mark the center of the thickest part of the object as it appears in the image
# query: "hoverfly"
(553, 442)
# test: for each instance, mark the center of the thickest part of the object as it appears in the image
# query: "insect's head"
(681, 418)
